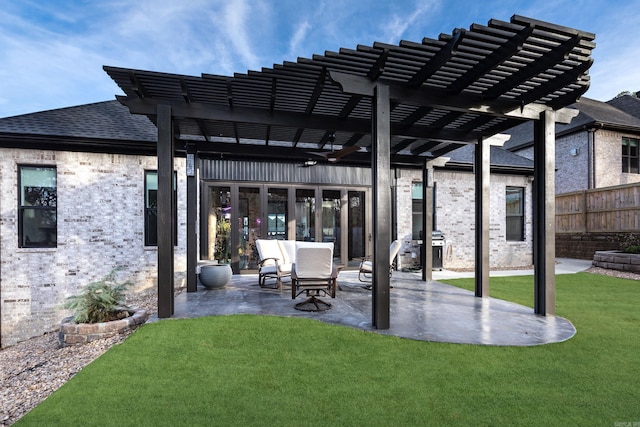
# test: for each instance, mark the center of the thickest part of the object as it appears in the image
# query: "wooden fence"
(603, 210)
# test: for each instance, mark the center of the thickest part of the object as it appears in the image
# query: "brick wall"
(455, 207)
(572, 169)
(100, 227)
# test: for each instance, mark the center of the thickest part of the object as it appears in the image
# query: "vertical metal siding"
(232, 170)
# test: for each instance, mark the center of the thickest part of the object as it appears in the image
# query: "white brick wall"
(455, 215)
(572, 170)
(100, 226)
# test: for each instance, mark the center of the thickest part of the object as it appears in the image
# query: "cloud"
(299, 35)
(398, 25)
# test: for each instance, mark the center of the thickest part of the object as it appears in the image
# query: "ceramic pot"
(215, 276)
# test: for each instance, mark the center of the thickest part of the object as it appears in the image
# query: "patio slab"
(430, 311)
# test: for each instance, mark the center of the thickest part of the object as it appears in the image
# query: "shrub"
(100, 301)
(634, 249)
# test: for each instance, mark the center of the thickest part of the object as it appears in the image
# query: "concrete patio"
(423, 311)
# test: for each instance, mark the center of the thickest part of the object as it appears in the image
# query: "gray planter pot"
(215, 276)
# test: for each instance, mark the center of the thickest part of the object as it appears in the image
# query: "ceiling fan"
(333, 156)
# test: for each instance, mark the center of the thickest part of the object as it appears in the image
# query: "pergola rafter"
(404, 104)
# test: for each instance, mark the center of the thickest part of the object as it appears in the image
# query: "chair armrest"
(262, 261)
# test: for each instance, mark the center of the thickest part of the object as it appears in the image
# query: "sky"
(52, 52)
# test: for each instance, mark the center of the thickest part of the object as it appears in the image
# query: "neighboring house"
(629, 103)
(78, 189)
(599, 148)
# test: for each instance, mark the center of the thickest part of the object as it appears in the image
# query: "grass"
(252, 370)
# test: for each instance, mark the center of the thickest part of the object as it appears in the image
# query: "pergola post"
(544, 199)
(381, 181)
(192, 208)
(482, 167)
(166, 209)
(427, 222)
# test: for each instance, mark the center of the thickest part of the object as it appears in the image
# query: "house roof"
(593, 113)
(628, 103)
(500, 159)
(110, 120)
(444, 93)
(98, 126)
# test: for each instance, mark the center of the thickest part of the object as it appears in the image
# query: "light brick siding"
(572, 171)
(455, 207)
(100, 227)
(608, 150)
(572, 163)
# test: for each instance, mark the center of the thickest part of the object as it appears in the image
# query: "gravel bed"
(33, 369)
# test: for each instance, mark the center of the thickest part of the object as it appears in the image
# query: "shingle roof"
(592, 112)
(628, 103)
(108, 120)
(499, 158)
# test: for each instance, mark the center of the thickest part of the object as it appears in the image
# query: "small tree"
(99, 301)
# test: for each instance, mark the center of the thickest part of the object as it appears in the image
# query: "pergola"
(400, 105)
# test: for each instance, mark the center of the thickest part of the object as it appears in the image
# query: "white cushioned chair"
(313, 272)
(276, 259)
(366, 266)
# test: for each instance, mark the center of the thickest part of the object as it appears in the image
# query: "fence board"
(612, 209)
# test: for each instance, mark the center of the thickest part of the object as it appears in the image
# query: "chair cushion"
(366, 267)
(269, 249)
(314, 260)
(268, 269)
(288, 250)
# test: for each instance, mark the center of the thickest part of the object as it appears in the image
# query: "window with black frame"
(515, 213)
(630, 158)
(37, 205)
(151, 209)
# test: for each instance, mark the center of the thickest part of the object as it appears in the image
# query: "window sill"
(36, 250)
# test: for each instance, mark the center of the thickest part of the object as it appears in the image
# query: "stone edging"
(82, 333)
(616, 260)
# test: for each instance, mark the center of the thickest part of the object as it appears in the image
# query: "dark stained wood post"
(166, 204)
(381, 180)
(544, 227)
(192, 208)
(482, 163)
(427, 222)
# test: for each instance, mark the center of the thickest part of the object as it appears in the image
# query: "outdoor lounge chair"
(275, 261)
(314, 273)
(366, 266)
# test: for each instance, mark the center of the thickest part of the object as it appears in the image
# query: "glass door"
(305, 214)
(248, 227)
(331, 230)
(219, 224)
(357, 229)
(277, 213)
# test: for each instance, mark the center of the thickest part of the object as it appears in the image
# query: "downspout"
(591, 154)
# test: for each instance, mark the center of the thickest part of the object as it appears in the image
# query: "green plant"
(99, 301)
(223, 234)
(630, 243)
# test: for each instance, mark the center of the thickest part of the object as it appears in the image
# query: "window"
(416, 211)
(515, 214)
(151, 209)
(630, 162)
(37, 205)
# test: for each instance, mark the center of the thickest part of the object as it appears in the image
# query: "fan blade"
(334, 156)
(337, 155)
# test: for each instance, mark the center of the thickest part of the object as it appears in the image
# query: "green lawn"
(250, 370)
